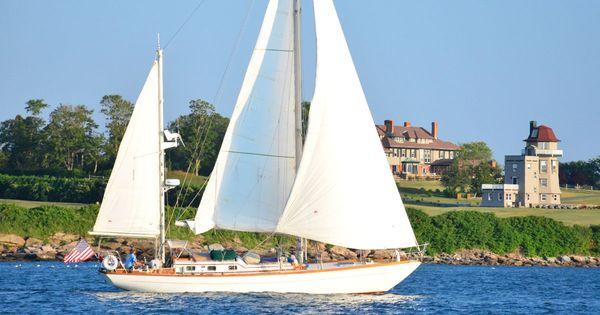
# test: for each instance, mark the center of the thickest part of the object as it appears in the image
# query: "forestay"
(255, 168)
(131, 203)
(344, 193)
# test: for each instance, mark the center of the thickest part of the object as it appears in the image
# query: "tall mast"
(298, 80)
(298, 97)
(161, 157)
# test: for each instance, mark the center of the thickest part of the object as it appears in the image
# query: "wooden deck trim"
(170, 272)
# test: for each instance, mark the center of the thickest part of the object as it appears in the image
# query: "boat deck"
(309, 268)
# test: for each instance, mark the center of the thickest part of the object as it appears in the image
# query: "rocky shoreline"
(16, 248)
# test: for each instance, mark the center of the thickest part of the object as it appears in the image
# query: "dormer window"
(534, 133)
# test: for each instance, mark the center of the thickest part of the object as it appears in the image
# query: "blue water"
(55, 288)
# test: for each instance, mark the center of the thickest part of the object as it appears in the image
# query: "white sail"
(344, 193)
(131, 203)
(255, 168)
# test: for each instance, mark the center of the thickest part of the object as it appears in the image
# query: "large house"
(414, 152)
(530, 179)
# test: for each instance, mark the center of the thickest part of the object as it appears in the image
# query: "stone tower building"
(530, 179)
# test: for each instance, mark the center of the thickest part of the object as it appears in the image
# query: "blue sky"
(483, 69)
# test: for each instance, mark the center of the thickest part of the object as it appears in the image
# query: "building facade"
(500, 195)
(534, 171)
(414, 152)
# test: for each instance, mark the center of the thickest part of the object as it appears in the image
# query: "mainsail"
(344, 193)
(255, 169)
(131, 203)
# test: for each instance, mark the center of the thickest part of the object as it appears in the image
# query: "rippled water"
(56, 288)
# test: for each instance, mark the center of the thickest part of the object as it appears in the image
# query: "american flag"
(81, 252)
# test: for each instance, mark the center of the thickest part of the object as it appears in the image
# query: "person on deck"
(130, 260)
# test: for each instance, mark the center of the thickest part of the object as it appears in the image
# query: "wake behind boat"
(267, 178)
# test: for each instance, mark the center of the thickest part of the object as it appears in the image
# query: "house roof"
(436, 144)
(542, 134)
(406, 132)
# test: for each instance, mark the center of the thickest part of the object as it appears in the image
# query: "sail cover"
(344, 193)
(255, 169)
(131, 203)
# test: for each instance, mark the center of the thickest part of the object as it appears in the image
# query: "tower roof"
(542, 134)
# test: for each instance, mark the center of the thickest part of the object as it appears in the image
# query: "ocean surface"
(52, 287)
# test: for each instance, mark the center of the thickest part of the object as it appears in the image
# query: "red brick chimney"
(434, 129)
(389, 127)
(407, 124)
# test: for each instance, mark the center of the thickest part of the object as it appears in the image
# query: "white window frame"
(427, 154)
(543, 166)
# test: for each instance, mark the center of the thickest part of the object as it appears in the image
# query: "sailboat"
(334, 186)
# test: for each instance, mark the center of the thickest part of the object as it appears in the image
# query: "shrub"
(535, 236)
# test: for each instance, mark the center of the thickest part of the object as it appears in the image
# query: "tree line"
(69, 142)
(580, 173)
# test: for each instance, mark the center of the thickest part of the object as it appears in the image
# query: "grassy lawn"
(569, 217)
(575, 196)
(413, 197)
(32, 204)
(418, 184)
(410, 191)
(191, 178)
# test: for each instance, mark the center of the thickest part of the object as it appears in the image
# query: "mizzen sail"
(255, 169)
(131, 203)
(344, 193)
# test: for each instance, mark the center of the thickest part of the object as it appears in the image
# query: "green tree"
(71, 139)
(305, 113)
(202, 131)
(118, 112)
(474, 152)
(484, 173)
(455, 179)
(470, 168)
(35, 107)
(21, 138)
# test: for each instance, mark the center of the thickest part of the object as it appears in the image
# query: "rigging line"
(218, 94)
(263, 241)
(184, 23)
(263, 154)
(193, 156)
(185, 209)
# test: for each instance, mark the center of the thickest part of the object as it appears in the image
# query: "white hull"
(377, 277)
